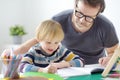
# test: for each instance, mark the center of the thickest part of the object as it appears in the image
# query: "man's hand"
(104, 60)
(110, 51)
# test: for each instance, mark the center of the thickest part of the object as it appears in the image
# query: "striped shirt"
(36, 58)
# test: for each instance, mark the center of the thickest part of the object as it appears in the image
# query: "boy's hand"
(49, 69)
(52, 69)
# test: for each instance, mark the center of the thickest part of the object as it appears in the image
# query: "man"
(87, 32)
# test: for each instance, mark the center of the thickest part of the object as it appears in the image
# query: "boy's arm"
(70, 60)
(63, 64)
(27, 62)
(74, 60)
(48, 69)
(23, 48)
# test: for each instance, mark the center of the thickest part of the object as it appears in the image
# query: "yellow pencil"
(50, 79)
(7, 78)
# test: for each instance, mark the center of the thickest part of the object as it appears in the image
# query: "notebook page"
(77, 71)
(72, 71)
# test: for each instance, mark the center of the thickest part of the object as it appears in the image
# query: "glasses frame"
(86, 17)
(82, 15)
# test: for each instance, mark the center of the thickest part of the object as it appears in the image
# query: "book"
(78, 71)
(41, 74)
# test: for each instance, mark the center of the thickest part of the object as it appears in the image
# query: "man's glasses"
(81, 15)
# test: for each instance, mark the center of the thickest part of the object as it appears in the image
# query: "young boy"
(49, 55)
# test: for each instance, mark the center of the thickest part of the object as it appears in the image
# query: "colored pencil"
(115, 75)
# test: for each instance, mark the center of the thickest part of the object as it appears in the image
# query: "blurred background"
(30, 13)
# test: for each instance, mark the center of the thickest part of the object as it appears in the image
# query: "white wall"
(28, 13)
(112, 12)
(31, 12)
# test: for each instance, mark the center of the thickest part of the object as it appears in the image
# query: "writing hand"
(104, 60)
(52, 69)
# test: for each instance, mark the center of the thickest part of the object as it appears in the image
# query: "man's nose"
(82, 19)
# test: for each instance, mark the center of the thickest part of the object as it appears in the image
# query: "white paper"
(72, 71)
(77, 71)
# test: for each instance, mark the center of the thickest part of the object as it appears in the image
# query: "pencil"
(11, 66)
(115, 75)
(16, 64)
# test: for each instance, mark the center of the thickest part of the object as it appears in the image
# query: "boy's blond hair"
(49, 30)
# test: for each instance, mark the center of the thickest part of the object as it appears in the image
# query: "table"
(87, 77)
(91, 77)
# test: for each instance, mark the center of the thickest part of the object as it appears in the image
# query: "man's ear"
(76, 2)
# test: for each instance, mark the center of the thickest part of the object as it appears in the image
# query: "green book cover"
(46, 75)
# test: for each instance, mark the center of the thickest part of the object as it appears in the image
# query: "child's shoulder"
(36, 46)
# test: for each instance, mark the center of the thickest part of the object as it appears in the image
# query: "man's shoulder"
(62, 15)
(103, 22)
(102, 19)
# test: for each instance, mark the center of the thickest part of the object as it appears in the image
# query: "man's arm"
(23, 48)
(104, 60)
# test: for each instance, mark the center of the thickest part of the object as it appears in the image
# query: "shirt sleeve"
(74, 60)
(26, 64)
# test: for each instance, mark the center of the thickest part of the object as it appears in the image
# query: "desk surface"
(87, 77)
(55, 77)
(91, 77)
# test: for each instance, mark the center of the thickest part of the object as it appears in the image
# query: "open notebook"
(77, 71)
